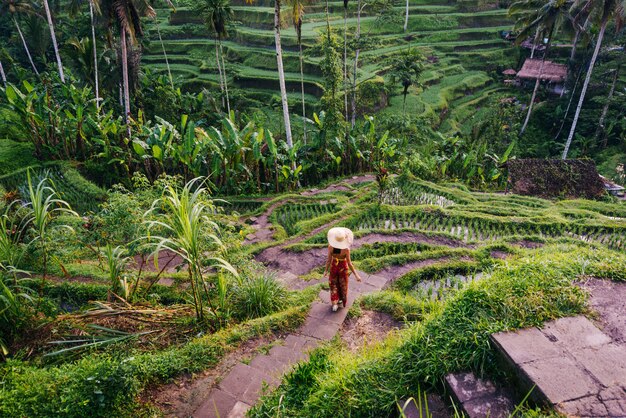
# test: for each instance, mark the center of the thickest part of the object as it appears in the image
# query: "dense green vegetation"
(151, 154)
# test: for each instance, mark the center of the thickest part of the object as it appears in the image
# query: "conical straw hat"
(340, 238)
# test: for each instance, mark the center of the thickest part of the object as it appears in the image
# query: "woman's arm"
(356, 274)
(328, 260)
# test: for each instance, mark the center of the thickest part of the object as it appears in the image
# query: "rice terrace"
(365, 208)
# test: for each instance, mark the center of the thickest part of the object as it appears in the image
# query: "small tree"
(188, 231)
(406, 69)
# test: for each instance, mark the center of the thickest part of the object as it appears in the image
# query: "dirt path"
(183, 396)
(263, 226)
(340, 187)
(299, 263)
(369, 328)
(608, 299)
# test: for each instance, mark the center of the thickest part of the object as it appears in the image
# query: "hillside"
(462, 40)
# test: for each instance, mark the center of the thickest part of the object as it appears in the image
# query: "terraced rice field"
(428, 237)
(462, 40)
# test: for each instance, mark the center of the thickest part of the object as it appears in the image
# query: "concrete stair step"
(245, 383)
(432, 407)
(573, 365)
(319, 328)
(300, 342)
(270, 365)
(218, 404)
(478, 397)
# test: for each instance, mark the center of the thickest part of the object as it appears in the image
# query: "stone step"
(324, 311)
(239, 410)
(319, 328)
(270, 365)
(245, 383)
(431, 406)
(478, 397)
(289, 355)
(300, 342)
(574, 366)
(218, 404)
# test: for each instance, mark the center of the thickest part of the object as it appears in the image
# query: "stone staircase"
(244, 384)
(572, 365)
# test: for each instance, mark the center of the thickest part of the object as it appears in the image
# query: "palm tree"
(601, 130)
(297, 12)
(606, 10)
(406, 16)
(54, 40)
(127, 14)
(544, 21)
(16, 7)
(167, 62)
(345, 57)
(3, 75)
(357, 41)
(406, 69)
(281, 74)
(156, 24)
(217, 15)
(93, 9)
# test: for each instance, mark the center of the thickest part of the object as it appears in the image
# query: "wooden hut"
(552, 74)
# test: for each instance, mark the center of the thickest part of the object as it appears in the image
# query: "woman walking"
(339, 265)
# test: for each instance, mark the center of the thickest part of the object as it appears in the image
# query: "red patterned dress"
(338, 280)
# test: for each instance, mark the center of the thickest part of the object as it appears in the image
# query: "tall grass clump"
(255, 297)
(184, 227)
(15, 302)
(43, 205)
(527, 291)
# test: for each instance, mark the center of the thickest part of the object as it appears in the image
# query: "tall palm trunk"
(357, 38)
(583, 92)
(225, 77)
(30, 58)
(54, 40)
(577, 38)
(95, 52)
(345, 58)
(167, 62)
(125, 82)
(281, 74)
(537, 83)
(406, 17)
(569, 104)
(3, 75)
(299, 36)
(219, 70)
(601, 128)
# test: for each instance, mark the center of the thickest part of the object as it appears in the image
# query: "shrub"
(258, 296)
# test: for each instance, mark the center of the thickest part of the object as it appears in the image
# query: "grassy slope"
(462, 36)
(16, 158)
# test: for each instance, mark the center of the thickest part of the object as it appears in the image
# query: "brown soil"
(528, 244)
(608, 299)
(502, 255)
(393, 272)
(185, 394)
(297, 263)
(406, 237)
(73, 279)
(368, 328)
(169, 262)
(263, 226)
(301, 263)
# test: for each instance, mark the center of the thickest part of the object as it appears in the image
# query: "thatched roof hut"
(553, 72)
